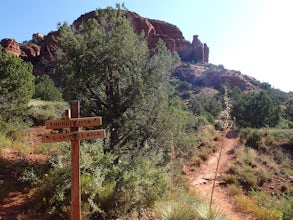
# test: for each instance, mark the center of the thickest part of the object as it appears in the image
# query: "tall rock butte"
(169, 33)
(41, 48)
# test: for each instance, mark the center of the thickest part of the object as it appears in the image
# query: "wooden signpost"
(73, 122)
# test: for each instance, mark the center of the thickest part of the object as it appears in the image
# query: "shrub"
(175, 210)
(16, 86)
(13, 129)
(254, 140)
(233, 190)
(186, 206)
(46, 90)
(40, 111)
(249, 206)
(107, 189)
(229, 178)
(270, 140)
(256, 109)
(248, 179)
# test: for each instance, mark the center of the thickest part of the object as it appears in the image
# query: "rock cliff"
(28, 52)
(155, 30)
(44, 46)
(40, 51)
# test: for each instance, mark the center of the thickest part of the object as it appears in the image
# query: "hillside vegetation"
(159, 115)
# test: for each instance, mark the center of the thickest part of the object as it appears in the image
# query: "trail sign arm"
(73, 122)
(78, 135)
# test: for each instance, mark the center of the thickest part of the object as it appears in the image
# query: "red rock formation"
(11, 46)
(48, 48)
(26, 51)
(155, 30)
(43, 48)
(38, 38)
(215, 77)
(206, 51)
(201, 51)
(29, 52)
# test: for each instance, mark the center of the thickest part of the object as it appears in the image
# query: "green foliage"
(46, 90)
(205, 105)
(186, 206)
(107, 190)
(279, 204)
(16, 86)
(40, 111)
(256, 171)
(175, 210)
(256, 110)
(249, 171)
(255, 141)
(249, 206)
(13, 129)
(289, 111)
(110, 69)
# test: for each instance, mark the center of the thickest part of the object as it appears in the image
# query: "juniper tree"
(256, 109)
(16, 86)
(111, 70)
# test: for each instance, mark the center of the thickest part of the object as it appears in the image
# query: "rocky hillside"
(40, 49)
(212, 76)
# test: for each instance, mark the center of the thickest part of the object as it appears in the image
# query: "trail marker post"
(74, 122)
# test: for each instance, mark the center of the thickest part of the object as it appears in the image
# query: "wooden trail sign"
(74, 122)
(74, 136)
(79, 135)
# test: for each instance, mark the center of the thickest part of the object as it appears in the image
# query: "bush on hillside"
(256, 110)
(41, 111)
(16, 86)
(16, 89)
(46, 90)
(107, 190)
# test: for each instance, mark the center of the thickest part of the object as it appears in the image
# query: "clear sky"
(252, 36)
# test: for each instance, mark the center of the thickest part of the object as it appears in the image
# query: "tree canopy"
(256, 109)
(110, 69)
(45, 89)
(16, 86)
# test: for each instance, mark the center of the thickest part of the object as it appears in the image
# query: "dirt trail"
(201, 180)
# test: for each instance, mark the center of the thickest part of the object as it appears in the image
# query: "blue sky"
(252, 36)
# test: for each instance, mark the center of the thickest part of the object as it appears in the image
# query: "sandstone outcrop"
(11, 46)
(215, 77)
(42, 48)
(38, 38)
(28, 52)
(155, 30)
(41, 52)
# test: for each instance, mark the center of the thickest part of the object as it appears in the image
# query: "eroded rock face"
(171, 35)
(27, 52)
(30, 52)
(11, 46)
(38, 38)
(42, 48)
(155, 30)
(215, 77)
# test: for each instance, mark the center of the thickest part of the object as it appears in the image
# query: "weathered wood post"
(75, 166)
(74, 122)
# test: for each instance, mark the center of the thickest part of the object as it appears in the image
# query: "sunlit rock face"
(155, 29)
(40, 50)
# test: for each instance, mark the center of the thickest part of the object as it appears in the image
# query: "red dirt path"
(201, 179)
